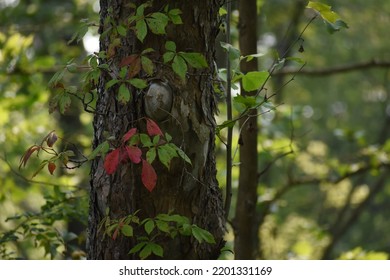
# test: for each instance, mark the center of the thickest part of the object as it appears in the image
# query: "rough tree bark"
(187, 190)
(245, 217)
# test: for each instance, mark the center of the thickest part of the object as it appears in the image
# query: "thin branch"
(334, 69)
(29, 181)
(229, 160)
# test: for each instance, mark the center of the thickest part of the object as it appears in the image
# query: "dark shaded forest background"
(323, 182)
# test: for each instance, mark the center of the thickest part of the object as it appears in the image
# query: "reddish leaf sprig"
(133, 153)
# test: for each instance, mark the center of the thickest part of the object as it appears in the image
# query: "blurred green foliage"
(323, 153)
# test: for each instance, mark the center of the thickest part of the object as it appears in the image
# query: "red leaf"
(115, 235)
(134, 153)
(134, 65)
(27, 154)
(111, 161)
(152, 128)
(148, 176)
(128, 60)
(129, 134)
(51, 166)
(124, 157)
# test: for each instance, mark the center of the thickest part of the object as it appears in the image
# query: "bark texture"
(190, 190)
(244, 221)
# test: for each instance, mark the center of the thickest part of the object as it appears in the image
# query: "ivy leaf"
(149, 226)
(163, 226)
(102, 149)
(141, 30)
(168, 56)
(174, 16)
(151, 155)
(147, 65)
(181, 153)
(152, 128)
(157, 23)
(51, 167)
(145, 140)
(146, 251)
(129, 134)
(123, 94)
(336, 26)
(111, 83)
(324, 10)
(148, 175)
(170, 46)
(196, 60)
(137, 247)
(202, 235)
(254, 80)
(156, 249)
(234, 53)
(121, 30)
(179, 66)
(128, 60)
(138, 83)
(127, 230)
(27, 154)
(134, 153)
(164, 156)
(111, 161)
(64, 102)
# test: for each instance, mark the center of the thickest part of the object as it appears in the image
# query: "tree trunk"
(244, 221)
(189, 190)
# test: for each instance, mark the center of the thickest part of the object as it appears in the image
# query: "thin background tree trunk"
(244, 221)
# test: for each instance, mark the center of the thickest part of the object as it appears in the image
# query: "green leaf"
(170, 46)
(147, 65)
(168, 137)
(174, 16)
(138, 83)
(146, 251)
(156, 249)
(181, 153)
(241, 103)
(179, 219)
(137, 247)
(336, 26)
(163, 226)
(252, 56)
(157, 23)
(124, 94)
(196, 60)
(101, 149)
(254, 80)
(141, 30)
(64, 102)
(168, 56)
(179, 66)
(202, 235)
(149, 226)
(164, 157)
(222, 11)
(127, 230)
(112, 82)
(145, 140)
(234, 53)
(296, 59)
(121, 30)
(324, 10)
(56, 78)
(151, 155)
